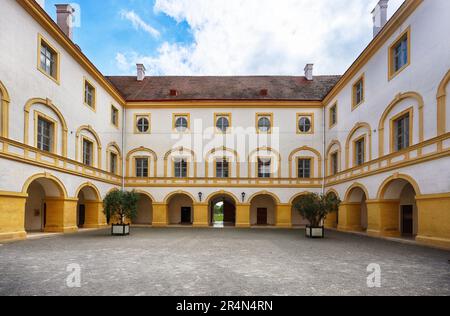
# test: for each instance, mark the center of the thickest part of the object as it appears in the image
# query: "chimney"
(379, 16)
(309, 72)
(140, 72)
(64, 17)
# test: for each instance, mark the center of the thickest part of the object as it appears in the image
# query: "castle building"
(377, 136)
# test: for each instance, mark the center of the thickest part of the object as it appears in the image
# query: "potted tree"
(120, 205)
(315, 209)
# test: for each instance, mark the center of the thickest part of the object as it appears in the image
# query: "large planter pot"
(315, 232)
(120, 230)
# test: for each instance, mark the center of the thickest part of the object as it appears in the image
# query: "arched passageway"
(222, 210)
(263, 210)
(180, 209)
(144, 214)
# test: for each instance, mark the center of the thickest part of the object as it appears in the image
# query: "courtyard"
(194, 262)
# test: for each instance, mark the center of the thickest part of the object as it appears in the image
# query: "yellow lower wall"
(12, 216)
(283, 216)
(201, 215)
(434, 220)
(383, 218)
(61, 215)
(331, 220)
(350, 217)
(160, 215)
(243, 215)
(94, 218)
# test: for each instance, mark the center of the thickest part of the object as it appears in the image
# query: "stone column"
(201, 216)
(94, 218)
(350, 217)
(243, 215)
(283, 215)
(434, 220)
(12, 216)
(160, 215)
(61, 215)
(383, 218)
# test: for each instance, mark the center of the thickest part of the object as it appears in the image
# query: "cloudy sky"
(224, 37)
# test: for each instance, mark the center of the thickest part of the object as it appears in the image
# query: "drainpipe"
(124, 114)
(324, 148)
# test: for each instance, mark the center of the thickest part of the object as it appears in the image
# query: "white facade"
(415, 88)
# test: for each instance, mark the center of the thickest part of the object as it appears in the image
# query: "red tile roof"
(282, 88)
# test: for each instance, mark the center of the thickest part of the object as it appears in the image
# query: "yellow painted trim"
(117, 151)
(364, 138)
(47, 118)
(97, 142)
(212, 196)
(349, 138)
(230, 122)
(410, 112)
(399, 98)
(142, 149)
(296, 196)
(433, 196)
(330, 120)
(115, 109)
(42, 39)
(4, 110)
(311, 117)
(46, 175)
(50, 105)
(441, 105)
(328, 156)
(311, 159)
(223, 149)
(275, 198)
(168, 197)
(215, 104)
(88, 185)
(354, 86)
(394, 23)
(258, 116)
(152, 199)
(255, 163)
(392, 73)
(306, 148)
(354, 186)
(383, 187)
(175, 116)
(138, 116)
(180, 150)
(13, 194)
(39, 14)
(93, 107)
(331, 190)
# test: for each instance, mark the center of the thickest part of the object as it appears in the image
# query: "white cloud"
(138, 23)
(237, 37)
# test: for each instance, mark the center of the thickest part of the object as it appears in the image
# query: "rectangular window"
(334, 163)
(114, 116)
(48, 60)
(360, 151)
(401, 132)
(222, 168)
(45, 135)
(399, 54)
(264, 168)
(358, 92)
(89, 94)
(304, 168)
(87, 152)
(141, 167)
(113, 163)
(333, 115)
(180, 168)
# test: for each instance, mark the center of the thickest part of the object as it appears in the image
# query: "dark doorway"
(186, 215)
(262, 216)
(229, 213)
(407, 220)
(81, 215)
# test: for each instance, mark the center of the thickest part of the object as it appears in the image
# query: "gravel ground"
(186, 261)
